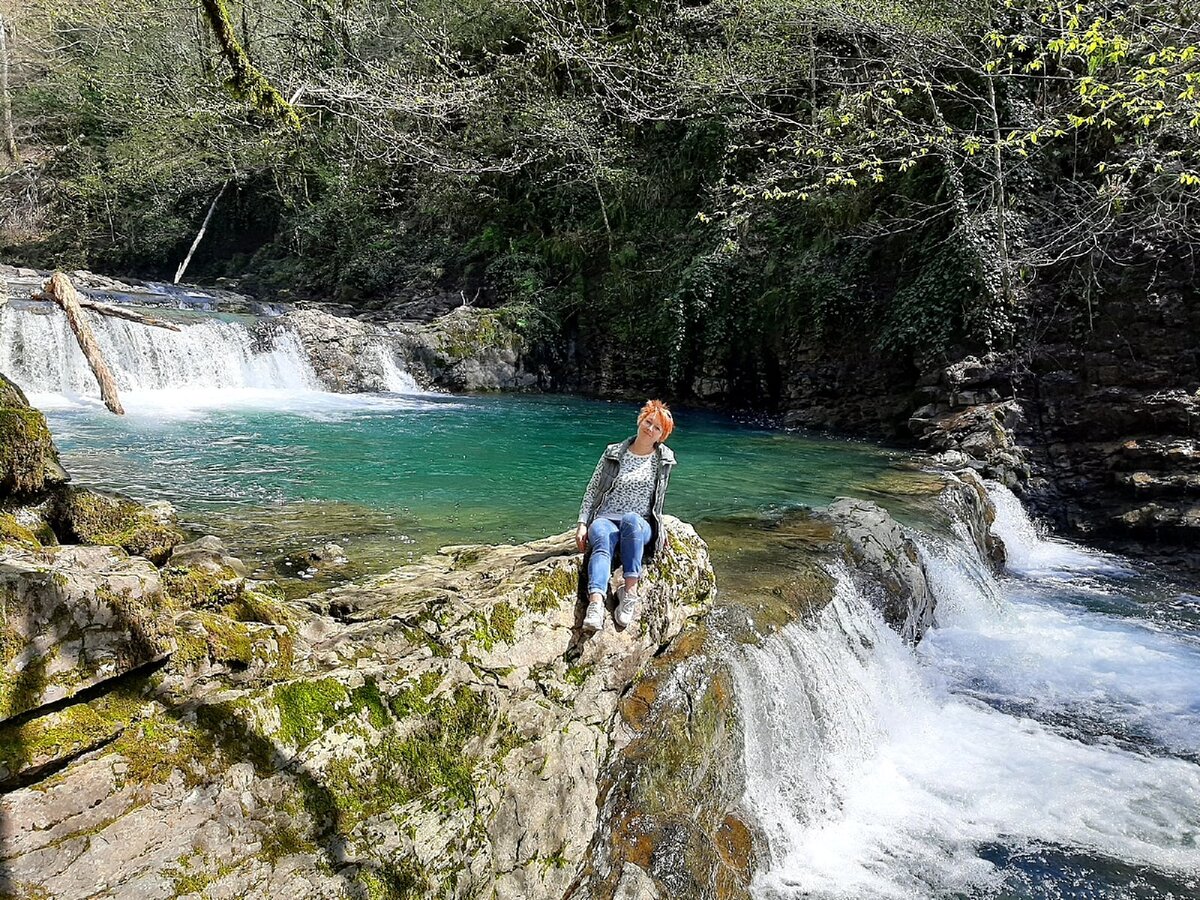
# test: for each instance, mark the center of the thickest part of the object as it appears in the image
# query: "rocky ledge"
(439, 730)
(467, 349)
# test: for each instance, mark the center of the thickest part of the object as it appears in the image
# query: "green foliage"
(680, 192)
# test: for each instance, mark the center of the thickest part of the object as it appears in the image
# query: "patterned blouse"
(631, 491)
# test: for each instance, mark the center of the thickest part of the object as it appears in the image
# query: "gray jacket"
(664, 461)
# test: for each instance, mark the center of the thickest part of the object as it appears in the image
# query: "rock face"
(466, 349)
(28, 459)
(1112, 421)
(74, 617)
(889, 564)
(440, 730)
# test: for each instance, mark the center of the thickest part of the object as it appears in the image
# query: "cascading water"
(1041, 741)
(210, 361)
(38, 351)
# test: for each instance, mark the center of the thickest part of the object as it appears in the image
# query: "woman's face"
(650, 428)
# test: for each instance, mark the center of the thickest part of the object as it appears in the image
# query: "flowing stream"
(1043, 741)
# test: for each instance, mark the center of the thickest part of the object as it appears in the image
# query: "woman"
(621, 512)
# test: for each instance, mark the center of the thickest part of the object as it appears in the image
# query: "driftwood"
(61, 291)
(200, 234)
(115, 312)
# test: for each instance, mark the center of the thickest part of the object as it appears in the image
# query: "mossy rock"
(89, 517)
(11, 395)
(13, 532)
(471, 332)
(194, 588)
(28, 459)
(64, 734)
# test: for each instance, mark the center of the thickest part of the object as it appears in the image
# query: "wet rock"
(888, 558)
(967, 495)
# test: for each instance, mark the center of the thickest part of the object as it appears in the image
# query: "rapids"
(1039, 743)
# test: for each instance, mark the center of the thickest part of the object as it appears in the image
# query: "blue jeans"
(606, 537)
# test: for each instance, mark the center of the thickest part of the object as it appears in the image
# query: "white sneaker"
(594, 619)
(626, 605)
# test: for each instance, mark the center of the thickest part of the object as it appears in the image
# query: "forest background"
(664, 196)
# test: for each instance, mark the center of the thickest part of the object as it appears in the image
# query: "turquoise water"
(391, 477)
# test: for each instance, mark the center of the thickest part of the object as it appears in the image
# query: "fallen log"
(61, 291)
(116, 312)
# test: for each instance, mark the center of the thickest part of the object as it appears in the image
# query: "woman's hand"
(581, 536)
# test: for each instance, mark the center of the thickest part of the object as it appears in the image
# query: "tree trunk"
(1001, 196)
(60, 289)
(10, 141)
(200, 234)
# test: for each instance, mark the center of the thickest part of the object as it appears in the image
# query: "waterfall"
(395, 379)
(38, 351)
(1045, 731)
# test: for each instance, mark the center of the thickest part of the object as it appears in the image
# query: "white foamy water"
(1025, 719)
(209, 364)
(1032, 552)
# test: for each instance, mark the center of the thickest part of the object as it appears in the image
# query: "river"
(1043, 741)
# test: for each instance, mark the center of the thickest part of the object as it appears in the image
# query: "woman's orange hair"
(657, 410)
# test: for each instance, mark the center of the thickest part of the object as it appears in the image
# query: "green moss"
(404, 879)
(149, 629)
(12, 532)
(69, 732)
(428, 764)
(22, 691)
(470, 334)
(551, 588)
(418, 637)
(578, 674)
(307, 709)
(258, 606)
(283, 840)
(186, 879)
(229, 725)
(199, 589)
(368, 698)
(415, 700)
(497, 626)
(155, 747)
(228, 640)
(27, 453)
(93, 518)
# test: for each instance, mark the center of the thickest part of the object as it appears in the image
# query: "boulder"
(467, 349)
(208, 554)
(890, 562)
(86, 516)
(28, 458)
